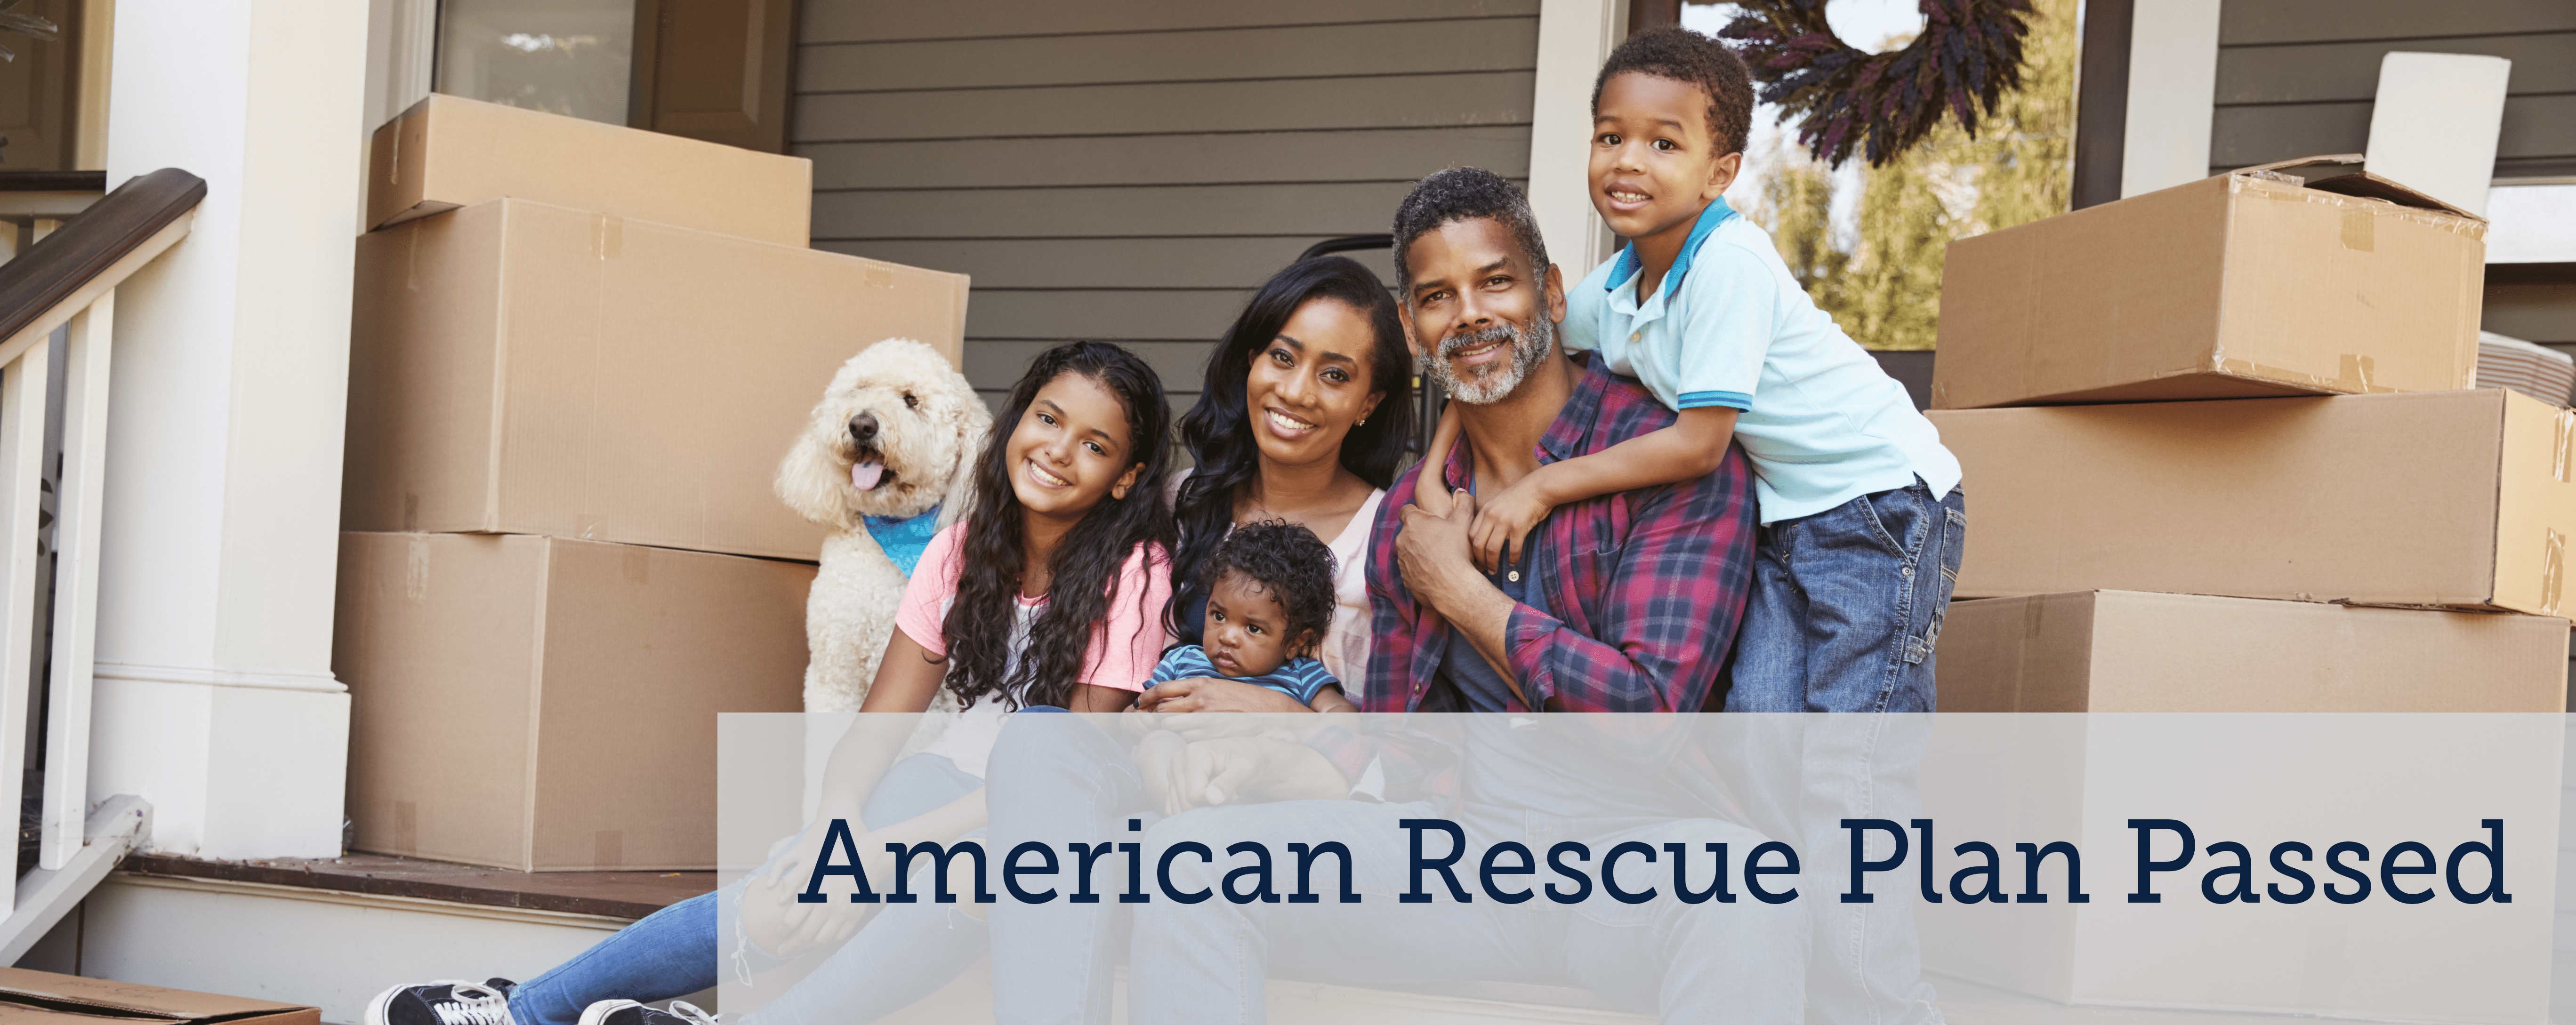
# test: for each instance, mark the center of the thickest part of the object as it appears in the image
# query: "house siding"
(2297, 77)
(1129, 171)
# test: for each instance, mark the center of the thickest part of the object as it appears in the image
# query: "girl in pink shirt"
(1048, 592)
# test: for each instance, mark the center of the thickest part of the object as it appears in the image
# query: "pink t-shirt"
(1123, 650)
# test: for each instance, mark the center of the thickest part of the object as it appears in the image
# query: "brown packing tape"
(608, 236)
(586, 527)
(2566, 440)
(406, 827)
(2353, 373)
(2553, 566)
(608, 848)
(2263, 187)
(2357, 229)
(879, 277)
(416, 568)
(636, 564)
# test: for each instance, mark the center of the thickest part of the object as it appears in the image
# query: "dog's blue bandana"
(904, 539)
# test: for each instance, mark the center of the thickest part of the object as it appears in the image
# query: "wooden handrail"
(53, 181)
(133, 221)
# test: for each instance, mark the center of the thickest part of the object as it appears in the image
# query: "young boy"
(1270, 600)
(1861, 511)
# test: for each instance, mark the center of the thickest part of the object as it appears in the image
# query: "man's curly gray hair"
(1458, 194)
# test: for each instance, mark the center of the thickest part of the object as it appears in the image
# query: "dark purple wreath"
(1968, 54)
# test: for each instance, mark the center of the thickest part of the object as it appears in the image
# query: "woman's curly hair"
(1291, 565)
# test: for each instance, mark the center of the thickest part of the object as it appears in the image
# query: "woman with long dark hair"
(1305, 413)
(1049, 592)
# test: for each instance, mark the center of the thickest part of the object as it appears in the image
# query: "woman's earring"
(1363, 422)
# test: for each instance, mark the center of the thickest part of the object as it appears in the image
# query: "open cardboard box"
(44, 998)
(2303, 277)
(521, 368)
(2457, 499)
(448, 152)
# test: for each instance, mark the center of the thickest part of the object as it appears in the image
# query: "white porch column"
(215, 699)
(2173, 83)
(1574, 37)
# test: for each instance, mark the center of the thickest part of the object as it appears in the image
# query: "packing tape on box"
(608, 236)
(2566, 437)
(2353, 374)
(2368, 209)
(2553, 565)
(608, 848)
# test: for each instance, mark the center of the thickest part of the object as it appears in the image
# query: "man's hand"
(1250, 770)
(1215, 694)
(1502, 528)
(1435, 558)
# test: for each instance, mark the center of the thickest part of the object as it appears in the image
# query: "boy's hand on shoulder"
(1503, 525)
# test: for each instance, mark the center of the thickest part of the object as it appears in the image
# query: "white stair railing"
(59, 280)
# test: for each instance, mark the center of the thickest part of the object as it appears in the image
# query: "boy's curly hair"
(1291, 565)
(1697, 61)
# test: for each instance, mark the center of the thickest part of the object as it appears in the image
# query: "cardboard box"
(2245, 284)
(539, 704)
(522, 368)
(2128, 651)
(2314, 779)
(448, 152)
(45, 998)
(2442, 499)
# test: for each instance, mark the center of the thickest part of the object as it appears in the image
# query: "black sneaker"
(445, 1002)
(628, 1012)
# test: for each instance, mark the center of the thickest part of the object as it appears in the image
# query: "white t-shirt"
(1122, 653)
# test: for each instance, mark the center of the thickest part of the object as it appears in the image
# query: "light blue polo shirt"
(1730, 327)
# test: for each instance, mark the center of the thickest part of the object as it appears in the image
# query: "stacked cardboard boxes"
(2224, 453)
(577, 355)
(2100, 379)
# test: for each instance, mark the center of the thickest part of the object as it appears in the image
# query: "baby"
(1270, 600)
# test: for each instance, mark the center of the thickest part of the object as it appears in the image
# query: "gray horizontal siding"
(1290, 52)
(1165, 108)
(861, 21)
(2248, 22)
(1106, 262)
(1131, 170)
(1302, 209)
(1244, 158)
(2297, 77)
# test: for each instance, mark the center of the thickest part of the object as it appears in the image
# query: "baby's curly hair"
(1291, 565)
(1695, 60)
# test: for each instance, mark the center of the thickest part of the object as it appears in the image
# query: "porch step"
(334, 932)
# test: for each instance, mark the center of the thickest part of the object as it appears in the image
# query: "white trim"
(2173, 92)
(1574, 37)
(243, 888)
(317, 683)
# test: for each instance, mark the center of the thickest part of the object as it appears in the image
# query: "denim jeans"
(1057, 778)
(905, 953)
(1845, 615)
(1207, 961)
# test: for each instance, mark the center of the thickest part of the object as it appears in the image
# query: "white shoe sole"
(376, 1007)
(595, 1014)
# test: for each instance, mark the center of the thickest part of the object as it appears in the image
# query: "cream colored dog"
(894, 438)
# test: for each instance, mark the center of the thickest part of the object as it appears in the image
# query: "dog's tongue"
(864, 476)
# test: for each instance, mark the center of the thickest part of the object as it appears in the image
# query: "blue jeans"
(1056, 778)
(904, 954)
(1685, 963)
(1846, 610)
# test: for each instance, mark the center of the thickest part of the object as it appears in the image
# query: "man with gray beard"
(1623, 603)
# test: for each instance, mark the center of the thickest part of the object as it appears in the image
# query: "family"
(1671, 486)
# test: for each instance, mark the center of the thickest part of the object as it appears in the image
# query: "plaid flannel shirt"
(1644, 590)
